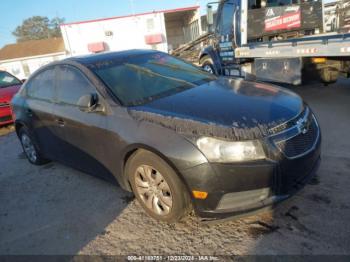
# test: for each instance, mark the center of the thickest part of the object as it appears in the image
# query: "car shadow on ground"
(51, 209)
(54, 209)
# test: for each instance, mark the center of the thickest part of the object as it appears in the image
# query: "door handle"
(60, 122)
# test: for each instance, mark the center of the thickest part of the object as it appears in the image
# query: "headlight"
(223, 151)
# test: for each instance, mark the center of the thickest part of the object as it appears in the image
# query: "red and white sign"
(96, 47)
(154, 39)
(287, 21)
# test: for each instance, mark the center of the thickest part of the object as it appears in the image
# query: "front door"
(84, 132)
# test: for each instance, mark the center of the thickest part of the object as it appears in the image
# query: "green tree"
(38, 27)
(55, 26)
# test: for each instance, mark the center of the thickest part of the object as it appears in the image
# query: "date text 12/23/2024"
(172, 258)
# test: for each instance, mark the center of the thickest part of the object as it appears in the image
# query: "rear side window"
(71, 85)
(42, 85)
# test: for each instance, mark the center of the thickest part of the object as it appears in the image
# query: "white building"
(331, 16)
(23, 58)
(160, 30)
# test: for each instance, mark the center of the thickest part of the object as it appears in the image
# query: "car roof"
(95, 58)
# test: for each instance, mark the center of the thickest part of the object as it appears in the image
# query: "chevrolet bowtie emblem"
(302, 125)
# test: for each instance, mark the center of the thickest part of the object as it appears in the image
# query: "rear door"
(84, 132)
(38, 108)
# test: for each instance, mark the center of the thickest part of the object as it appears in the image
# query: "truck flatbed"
(325, 45)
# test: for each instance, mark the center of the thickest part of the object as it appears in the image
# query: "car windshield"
(138, 79)
(8, 80)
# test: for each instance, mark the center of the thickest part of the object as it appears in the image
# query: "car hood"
(6, 93)
(235, 105)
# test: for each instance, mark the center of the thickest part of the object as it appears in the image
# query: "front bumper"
(6, 116)
(241, 189)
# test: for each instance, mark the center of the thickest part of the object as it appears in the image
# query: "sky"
(77, 10)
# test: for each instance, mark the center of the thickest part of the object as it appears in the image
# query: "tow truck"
(270, 40)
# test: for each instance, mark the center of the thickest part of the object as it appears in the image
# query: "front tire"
(157, 187)
(207, 64)
(30, 149)
(329, 76)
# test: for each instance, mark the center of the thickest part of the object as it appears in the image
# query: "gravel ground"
(56, 210)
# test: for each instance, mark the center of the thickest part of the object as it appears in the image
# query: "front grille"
(3, 104)
(291, 175)
(301, 143)
(291, 123)
(5, 118)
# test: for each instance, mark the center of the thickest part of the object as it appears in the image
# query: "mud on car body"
(173, 134)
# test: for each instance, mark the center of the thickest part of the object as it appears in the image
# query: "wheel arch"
(133, 149)
(209, 51)
(19, 125)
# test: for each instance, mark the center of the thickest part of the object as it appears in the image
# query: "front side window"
(7, 80)
(42, 85)
(72, 85)
(139, 79)
(272, 3)
(225, 22)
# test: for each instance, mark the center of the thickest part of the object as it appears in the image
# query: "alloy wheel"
(153, 190)
(208, 68)
(29, 148)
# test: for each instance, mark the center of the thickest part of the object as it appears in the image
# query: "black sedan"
(173, 134)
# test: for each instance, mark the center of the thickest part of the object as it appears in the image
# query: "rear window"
(143, 78)
(7, 79)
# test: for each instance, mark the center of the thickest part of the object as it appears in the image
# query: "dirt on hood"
(187, 126)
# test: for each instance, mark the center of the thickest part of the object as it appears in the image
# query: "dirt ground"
(56, 210)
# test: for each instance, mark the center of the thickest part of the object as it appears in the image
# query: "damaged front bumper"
(242, 189)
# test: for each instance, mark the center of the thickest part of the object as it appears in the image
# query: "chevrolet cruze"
(177, 137)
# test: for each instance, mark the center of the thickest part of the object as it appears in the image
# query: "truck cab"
(239, 22)
(279, 41)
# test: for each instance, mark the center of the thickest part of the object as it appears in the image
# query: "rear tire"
(157, 187)
(30, 148)
(329, 76)
(207, 64)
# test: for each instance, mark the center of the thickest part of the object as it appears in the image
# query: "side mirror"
(88, 103)
(23, 80)
(210, 15)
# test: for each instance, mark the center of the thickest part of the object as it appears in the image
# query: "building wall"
(117, 33)
(175, 32)
(24, 67)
